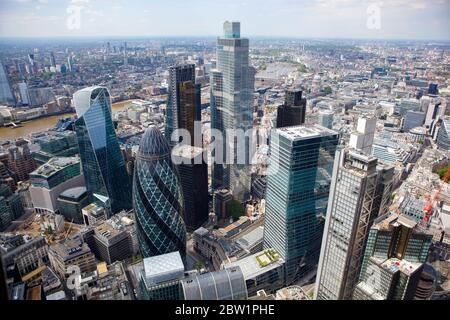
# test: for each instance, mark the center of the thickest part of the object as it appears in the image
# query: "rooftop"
(305, 131)
(258, 263)
(54, 165)
(163, 268)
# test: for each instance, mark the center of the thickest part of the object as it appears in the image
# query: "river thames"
(43, 124)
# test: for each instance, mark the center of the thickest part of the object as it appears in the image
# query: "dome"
(153, 144)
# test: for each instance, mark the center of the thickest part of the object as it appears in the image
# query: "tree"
(327, 90)
(235, 209)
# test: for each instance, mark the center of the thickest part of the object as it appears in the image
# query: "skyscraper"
(353, 205)
(183, 106)
(362, 138)
(396, 250)
(193, 172)
(101, 158)
(293, 111)
(232, 86)
(298, 186)
(6, 95)
(157, 198)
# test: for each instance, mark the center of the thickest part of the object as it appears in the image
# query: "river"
(43, 124)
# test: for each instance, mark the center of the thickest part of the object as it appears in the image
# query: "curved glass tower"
(101, 158)
(157, 198)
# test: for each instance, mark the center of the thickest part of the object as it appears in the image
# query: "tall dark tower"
(293, 111)
(157, 198)
(183, 105)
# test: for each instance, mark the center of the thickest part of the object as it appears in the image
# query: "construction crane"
(427, 209)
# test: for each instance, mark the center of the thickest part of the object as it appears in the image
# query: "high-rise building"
(443, 134)
(193, 172)
(52, 59)
(71, 202)
(362, 138)
(395, 253)
(21, 161)
(325, 118)
(157, 198)
(353, 205)
(221, 200)
(51, 179)
(232, 86)
(183, 106)
(413, 119)
(6, 94)
(298, 186)
(293, 111)
(101, 158)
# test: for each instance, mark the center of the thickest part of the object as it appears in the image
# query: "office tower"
(443, 135)
(21, 161)
(413, 119)
(232, 86)
(356, 194)
(293, 111)
(52, 59)
(6, 177)
(221, 200)
(71, 252)
(362, 138)
(101, 158)
(6, 94)
(433, 89)
(161, 277)
(325, 118)
(70, 63)
(183, 105)
(193, 172)
(23, 92)
(37, 97)
(395, 253)
(157, 198)
(6, 215)
(51, 179)
(112, 243)
(12, 200)
(71, 202)
(298, 186)
(227, 284)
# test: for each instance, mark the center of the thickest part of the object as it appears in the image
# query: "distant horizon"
(414, 20)
(259, 37)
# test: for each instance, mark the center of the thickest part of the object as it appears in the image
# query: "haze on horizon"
(398, 19)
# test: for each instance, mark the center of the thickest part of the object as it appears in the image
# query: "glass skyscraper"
(184, 104)
(299, 177)
(157, 198)
(232, 86)
(6, 95)
(101, 158)
(357, 194)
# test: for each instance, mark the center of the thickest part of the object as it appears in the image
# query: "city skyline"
(352, 19)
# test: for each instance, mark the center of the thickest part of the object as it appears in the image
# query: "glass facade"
(297, 194)
(6, 95)
(227, 284)
(443, 138)
(232, 86)
(157, 198)
(101, 158)
(353, 204)
(183, 105)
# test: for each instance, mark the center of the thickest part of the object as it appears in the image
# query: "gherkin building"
(157, 198)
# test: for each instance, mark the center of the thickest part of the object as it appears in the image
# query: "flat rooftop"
(258, 263)
(186, 151)
(54, 165)
(306, 131)
(393, 265)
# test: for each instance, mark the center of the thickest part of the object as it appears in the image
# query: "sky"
(367, 19)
